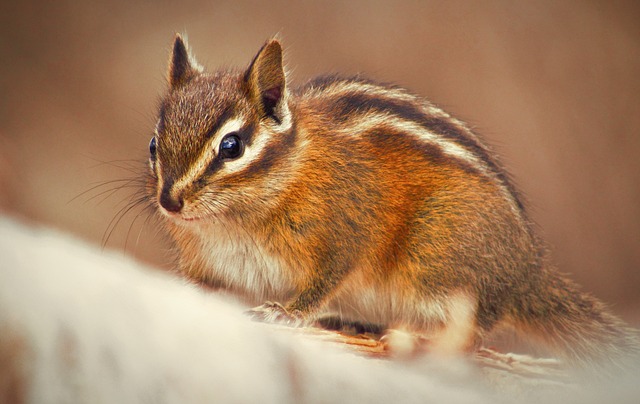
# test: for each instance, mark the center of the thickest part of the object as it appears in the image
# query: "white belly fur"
(237, 259)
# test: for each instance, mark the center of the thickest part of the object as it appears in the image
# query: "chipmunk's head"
(221, 141)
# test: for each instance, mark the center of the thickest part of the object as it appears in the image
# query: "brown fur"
(363, 201)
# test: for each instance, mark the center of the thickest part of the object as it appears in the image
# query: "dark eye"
(231, 147)
(152, 148)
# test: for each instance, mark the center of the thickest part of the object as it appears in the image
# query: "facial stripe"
(251, 153)
(278, 149)
(255, 150)
(207, 154)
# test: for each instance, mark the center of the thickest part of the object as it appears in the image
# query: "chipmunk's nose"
(171, 204)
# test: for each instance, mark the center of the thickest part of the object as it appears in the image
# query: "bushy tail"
(577, 326)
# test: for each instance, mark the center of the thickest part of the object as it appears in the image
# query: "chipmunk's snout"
(170, 203)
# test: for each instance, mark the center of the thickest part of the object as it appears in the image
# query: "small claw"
(402, 344)
(274, 312)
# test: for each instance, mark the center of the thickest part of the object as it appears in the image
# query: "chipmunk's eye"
(231, 146)
(152, 148)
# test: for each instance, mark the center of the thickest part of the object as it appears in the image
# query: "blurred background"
(553, 86)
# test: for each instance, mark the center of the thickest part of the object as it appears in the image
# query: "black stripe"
(327, 81)
(273, 154)
(220, 120)
(246, 134)
(353, 103)
(390, 139)
(162, 112)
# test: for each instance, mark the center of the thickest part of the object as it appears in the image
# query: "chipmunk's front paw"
(274, 312)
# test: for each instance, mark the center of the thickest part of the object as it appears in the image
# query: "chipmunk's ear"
(182, 66)
(267, 84)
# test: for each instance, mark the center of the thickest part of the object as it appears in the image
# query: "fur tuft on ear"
(182, 66)
(266, 82)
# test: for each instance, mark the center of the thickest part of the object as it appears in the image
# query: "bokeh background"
(553, 85)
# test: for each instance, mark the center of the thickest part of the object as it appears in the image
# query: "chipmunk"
(350, 198)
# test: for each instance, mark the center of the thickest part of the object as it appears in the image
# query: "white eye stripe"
(251, 153)
(232, 125)
(207, 154)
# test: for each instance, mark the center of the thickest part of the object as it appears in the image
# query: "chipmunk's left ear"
(267, 84)
(182, 66)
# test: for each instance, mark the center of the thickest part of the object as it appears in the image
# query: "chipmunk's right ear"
(267, 83)
(182, 66)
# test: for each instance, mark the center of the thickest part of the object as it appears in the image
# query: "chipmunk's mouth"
(190, 219)
(179, 216)
(184, 217)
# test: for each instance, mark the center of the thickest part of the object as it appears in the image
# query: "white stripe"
(390, 94)
(259, 141)
(376, 120)
(351, 87)
(453, 149)
(373, 89)
(207, 154)
(251, 153)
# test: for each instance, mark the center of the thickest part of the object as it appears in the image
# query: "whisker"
(102, 184)
(130, 165)
(139, 202)
(149, 216)
(118, 218)
(109, 193)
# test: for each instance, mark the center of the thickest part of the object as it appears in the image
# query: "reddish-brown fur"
(359, 200)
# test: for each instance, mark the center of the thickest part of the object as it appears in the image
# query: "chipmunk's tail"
(577, 326)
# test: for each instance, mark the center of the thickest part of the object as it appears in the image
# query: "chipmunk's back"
(356, 106)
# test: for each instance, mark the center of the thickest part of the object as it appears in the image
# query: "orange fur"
(360, 200)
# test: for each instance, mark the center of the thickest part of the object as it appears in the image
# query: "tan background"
(555, 86)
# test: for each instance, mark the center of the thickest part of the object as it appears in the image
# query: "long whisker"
(109, 183)
(132, 166)
(109, 194)
(119, 216)
(136, 199)
(138, 202)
